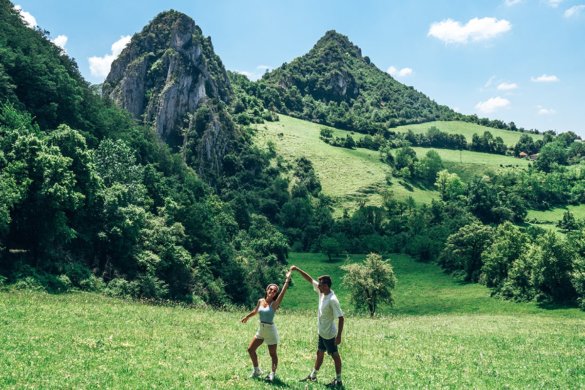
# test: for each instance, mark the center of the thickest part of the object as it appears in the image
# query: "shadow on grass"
(277, 382)
(557, 305)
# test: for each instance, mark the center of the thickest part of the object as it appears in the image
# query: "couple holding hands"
(329, 333)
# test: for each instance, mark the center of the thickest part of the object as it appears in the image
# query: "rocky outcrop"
(165, 73)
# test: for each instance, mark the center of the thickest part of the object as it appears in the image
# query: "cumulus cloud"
(510, 3)
(395, 72)
(553, 3)
(491, 105)
(60, 41)
(574, 11)
(545, 78)
(545, 111)
(100, 66)
(507, 86)
(475, 30)
(257, 74)
(30, 20)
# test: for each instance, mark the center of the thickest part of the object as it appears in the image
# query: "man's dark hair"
(326, 279)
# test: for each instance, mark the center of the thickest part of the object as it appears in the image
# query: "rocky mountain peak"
(165, 73)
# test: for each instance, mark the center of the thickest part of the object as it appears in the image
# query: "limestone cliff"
(164, 75)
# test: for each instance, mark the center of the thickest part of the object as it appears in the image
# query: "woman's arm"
(252, 313)
(276, 303)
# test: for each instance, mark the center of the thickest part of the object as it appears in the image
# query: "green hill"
(440, 334)
(467, 129)
(352, 175)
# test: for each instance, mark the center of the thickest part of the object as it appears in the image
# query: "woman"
(266, 308)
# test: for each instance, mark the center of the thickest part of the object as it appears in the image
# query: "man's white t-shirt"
(329, 311)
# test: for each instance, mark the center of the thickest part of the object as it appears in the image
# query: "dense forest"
(91, 197)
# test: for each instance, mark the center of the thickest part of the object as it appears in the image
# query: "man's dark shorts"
(327, 345)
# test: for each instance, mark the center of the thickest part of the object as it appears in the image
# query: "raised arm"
(276, 303)
(305, 275)
(251, 314)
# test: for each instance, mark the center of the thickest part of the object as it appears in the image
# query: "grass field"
(510, 138)
(549, 218)
(349, 176)
(441, 334)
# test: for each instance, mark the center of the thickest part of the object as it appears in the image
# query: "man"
(329, 335)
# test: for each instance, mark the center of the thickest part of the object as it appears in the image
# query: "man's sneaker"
(335, 383)
(255, 373)
(309, 378)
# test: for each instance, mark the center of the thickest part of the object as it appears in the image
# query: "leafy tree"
(370, 283)
(464, 248)
(551, 154)
(553, 265)
(449, 185)
(568, 222)
(508, 245)
(331, 247)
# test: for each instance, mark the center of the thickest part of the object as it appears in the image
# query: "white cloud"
(545, 79)
(28, 18)
(553, 3)
(492, 105)
(507, 86)
(545, 111)
(260, 70)
(100, 66)
(510, 3)
(60, 41)
(404, 72)
(574, 11)
(451, 31)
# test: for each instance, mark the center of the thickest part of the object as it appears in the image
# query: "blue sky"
(514, 60)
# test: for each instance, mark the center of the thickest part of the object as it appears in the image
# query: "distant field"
(352, 175)
(441, 334)
(467, 164)
(549, 218)
(467, 129)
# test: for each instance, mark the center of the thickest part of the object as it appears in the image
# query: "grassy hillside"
(441, 334)
(467, 129)
(351, 175)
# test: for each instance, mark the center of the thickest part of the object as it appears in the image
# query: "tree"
(370, 283)
(464, 248)
(551, 275)
(331, 247)
(508, 245)
(449, 185)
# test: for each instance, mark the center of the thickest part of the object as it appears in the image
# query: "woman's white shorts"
(268, 333)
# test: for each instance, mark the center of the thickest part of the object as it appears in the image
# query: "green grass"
(510, 138)
(548, 219)
(440, 334)
(467, 164)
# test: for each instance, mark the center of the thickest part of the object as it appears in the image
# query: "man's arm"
(305, 275)
(339, 330)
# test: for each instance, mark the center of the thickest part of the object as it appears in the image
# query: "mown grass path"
(441, 334)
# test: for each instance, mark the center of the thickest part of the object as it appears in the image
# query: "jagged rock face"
(165, 73)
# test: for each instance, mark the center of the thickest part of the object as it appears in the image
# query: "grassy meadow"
(510, 138)
(440, 334)
(349, 176)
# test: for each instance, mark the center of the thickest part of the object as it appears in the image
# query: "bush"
(122, 288)
(93, 283)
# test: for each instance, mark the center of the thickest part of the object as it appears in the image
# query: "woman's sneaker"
(255, 374)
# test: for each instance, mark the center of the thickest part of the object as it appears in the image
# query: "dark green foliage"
(464, 248)
(487, 144)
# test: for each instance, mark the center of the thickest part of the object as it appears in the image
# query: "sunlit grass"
(440, 334)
